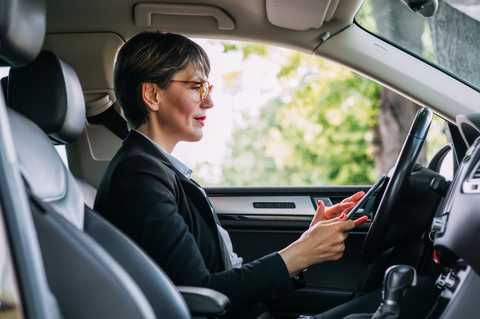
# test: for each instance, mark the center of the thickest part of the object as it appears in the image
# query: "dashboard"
(456, 231)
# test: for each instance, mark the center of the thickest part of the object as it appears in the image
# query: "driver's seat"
(58, 96)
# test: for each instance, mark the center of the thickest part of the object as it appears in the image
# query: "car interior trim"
(143, 13)
(245, 205)
(414, 79)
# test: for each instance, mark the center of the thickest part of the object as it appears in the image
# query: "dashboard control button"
(451, 281)
(438, 227)
(440, 283)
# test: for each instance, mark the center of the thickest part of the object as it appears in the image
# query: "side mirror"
(425, 8)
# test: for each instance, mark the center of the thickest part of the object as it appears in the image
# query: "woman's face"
(181, 113)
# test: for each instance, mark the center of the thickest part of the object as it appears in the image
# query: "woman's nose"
(208, 102)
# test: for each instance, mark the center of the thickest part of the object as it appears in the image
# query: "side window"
(446, 169)
(284, 118)
(63, 153)
(4, 70)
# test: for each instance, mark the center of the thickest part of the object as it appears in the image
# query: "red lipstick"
(201, 119)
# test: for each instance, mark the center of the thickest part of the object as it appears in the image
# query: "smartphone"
(365, 198)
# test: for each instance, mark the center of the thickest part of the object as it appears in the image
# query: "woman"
(161, 83)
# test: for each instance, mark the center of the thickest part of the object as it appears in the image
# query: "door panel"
(257, 231)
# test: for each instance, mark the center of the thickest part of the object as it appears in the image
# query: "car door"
(261, 220)
(317, 133)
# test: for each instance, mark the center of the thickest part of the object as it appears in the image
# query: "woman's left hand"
(336, 210)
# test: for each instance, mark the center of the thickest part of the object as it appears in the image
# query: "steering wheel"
(396, 185)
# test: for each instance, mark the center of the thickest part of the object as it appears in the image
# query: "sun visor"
(300, 14)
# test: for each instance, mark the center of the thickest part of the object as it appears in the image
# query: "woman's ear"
(150, 95)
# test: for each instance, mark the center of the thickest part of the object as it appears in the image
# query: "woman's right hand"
(322, 242)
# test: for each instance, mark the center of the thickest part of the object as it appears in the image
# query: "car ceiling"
(348, 45)
(249, 15)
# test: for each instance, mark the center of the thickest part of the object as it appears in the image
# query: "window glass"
(284, 118)
(448, 40)
(4, 70)
(446, 169)
(63, 153)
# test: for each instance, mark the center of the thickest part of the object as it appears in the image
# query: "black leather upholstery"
(22, 30)
(88, 191)
(48, 92)
(157, 287)
(44, 171)
(204, 301)
(86, 281)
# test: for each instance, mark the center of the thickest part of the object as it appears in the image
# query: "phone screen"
(365, 198)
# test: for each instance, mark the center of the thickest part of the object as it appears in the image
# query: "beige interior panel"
(87, 53)
(81, 163)
(143, 13)
(249, 15)
(366, 54)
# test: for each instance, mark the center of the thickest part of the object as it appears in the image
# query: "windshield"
(448, 40)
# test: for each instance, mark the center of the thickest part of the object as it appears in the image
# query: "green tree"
(316, 133)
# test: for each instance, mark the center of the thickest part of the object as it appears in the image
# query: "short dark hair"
(152, 57)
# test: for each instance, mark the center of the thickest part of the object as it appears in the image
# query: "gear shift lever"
(396, 282)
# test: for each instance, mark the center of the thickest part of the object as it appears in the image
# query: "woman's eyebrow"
(200, 78)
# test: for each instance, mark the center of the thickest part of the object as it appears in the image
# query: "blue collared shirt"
(187, 172)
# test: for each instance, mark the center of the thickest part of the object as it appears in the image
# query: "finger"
(319, 214)
(340, 219)
(337, 209)
(346, 211)
(346, 225)
(354, 198)
(360, 221)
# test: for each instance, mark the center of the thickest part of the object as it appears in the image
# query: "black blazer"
(169, 217)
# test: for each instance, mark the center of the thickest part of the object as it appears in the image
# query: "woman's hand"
(343, 207)
(322, 242)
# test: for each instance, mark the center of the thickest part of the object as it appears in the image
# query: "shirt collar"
(182, 168)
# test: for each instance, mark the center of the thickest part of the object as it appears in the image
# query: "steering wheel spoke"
(398, 182)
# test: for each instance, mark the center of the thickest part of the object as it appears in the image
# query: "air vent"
(472, 184)
(476, 173)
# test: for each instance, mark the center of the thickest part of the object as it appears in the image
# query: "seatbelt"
(223, 246)
(113, 121)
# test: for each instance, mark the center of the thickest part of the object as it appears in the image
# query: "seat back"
(86, 281)
(54, 187)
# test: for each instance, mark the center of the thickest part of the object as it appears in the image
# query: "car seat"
(86, 281)
(56, 104)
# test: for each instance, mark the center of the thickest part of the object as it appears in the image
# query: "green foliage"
(317, 133)
(261, 50)
(436, 137)
(227, 46)
(364, 17)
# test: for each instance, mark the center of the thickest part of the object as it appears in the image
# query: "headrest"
(48, 92)
(43, 170)
(22, 30)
